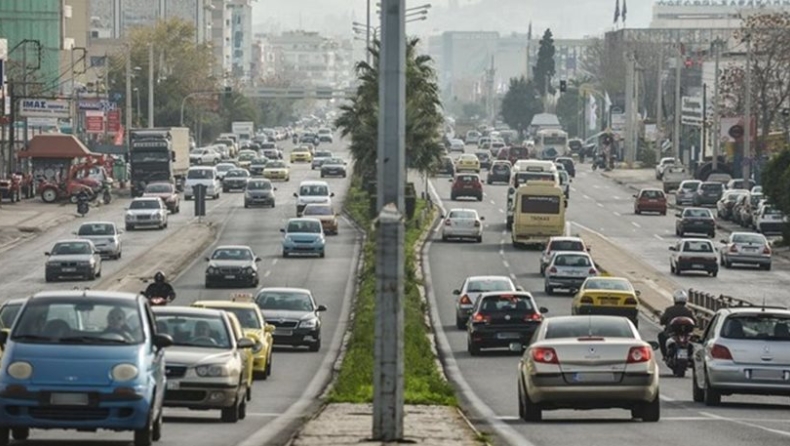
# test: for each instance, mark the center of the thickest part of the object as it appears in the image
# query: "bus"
(550, 144)
(538, 214)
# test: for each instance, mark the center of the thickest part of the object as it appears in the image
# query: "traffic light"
(563, 86)
(228, 92)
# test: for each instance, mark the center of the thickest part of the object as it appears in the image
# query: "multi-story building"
(114, 18)
(221, 36)
(306, 58)
(719, 14)
(241, 38)
(76, 66)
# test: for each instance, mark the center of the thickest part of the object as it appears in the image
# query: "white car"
(694, 254)
(769, 220)
(461, 224)
(568, 270)
(223, 168)
(106, 237)
(207, 176)
(204, 155)
(146, 211)
(312, 192)
(663, 165)
(472, 288)
(686, 192)
(456, 145)
(572, 244)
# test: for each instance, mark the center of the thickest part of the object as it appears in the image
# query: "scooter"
(83, 206)
(156, 301)
(678, 345)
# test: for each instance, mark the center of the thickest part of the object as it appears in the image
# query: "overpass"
(318, 93)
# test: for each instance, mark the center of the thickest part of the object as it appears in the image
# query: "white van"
(534, 166)
(312, 191)
(205, 175)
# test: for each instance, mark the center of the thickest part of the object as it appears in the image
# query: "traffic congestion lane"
(607, 208)
(23, 266)
(293, 370)
(492, 376)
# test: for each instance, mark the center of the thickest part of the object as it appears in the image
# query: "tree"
(424, 119)
(568, 110)
(776, 183)
(544, 67)
(520, 104)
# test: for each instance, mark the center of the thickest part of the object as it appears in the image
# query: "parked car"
(695, 221)
(693, 254)
(746, 248)
(663, 164)
(106, 237)
(708, 194)
(650, 200)
(466, 185)
(72, 258)
(769, 220)
(724, 207)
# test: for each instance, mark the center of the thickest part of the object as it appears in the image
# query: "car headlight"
(124, 372)
(248, 270)
(20, 370)
(211, 270)
(212, 370)
(309, 323)
(257, 347)
(288, 238)
(129, 216)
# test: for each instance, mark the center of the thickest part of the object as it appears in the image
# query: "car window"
(690, 185)
(237, 173)
(259, 185)
(485, 285)
(71, 248)
(318, 210)
(248, 318)
(304, 226)
(572, 260)
(314, 191)
(607, 284)
(323, 154)
(697, 213)
(144, 204)
(275, 165)
(763, 326)
(195, 331)
(652, 194)
(224, 167)
(96, 229)
(712, 187)
(200, 174)
(506, 303)
(697, 246)
(462, 214)
(466, 178)
(284, 300)
(770, 210)
(159, 188)
(579, 327)
(231, 254)
(748, 238)
(566, 245)
(500, 167)
(8, 314)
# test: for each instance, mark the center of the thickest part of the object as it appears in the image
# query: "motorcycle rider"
(679, 309)
(160, 288)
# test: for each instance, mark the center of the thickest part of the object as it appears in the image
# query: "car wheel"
(767, 267)
(714, 273)
(156, 435)
(697, 394)
(480, 240)
(473, 348)
(129, 227)
(20, 433)
(532, 412)
(246, 205)
(230, 414)
(269, 366)
(711, 396)
(649, 412)
(243, 410)
(285, 255)
(712, 235)
(321, 254)
(144, 436)
(637, 211)
(315, 346)
(459, 323)
(548, 289)
(671, 268)
(91, 275)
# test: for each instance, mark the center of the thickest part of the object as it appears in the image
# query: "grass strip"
(423, 382)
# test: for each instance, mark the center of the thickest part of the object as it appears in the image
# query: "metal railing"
(705, 305)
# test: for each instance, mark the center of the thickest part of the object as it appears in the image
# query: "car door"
(698, 354)
(154, 356)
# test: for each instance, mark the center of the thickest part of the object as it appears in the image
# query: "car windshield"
(304, 226)
(315, 190)
(248, 317)
(333, 161)
(485, 285)
(8, 313)
(301, 150)
(79, 320)
(71, 248)
(572, 260)
(259, 185)
(769, 210)
(258, 162)
(144, 204)
(463, 214)
(159, 188)
(200, 174)
(748, 238)
(312, 209)
(697, 213)
(189, 330)
(323, 154)
(712, 187)
(607, 285)
(231, 254)
(246, 156)
(500, 167)
(466, 178)
(284, 300)
(581, 327)
(652, 194)
(762, 326)
(566, 245)
(482, 155)
(224, 167)
(506, 303)
(690, 185)
(276, 165)
(237, 174)
(697, 246)
(96, 229)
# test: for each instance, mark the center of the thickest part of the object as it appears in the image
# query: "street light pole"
(129, 100)
(676, 132)
(747, 131)
(716, 119)
(390, 258)
(367, 34)
(139, 111)
(151, 86)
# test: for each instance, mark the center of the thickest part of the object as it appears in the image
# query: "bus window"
(540, 204)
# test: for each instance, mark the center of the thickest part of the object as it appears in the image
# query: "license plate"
(751, 249)
(69, 270)
(698, 266)
(230, 277)
(609, 301)
(767, 374)
(508, 336)
(683, 354)
(173, 385)
(593, 377)
(281, 332)
(69, 399)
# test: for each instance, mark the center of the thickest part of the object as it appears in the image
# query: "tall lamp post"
(139, 113)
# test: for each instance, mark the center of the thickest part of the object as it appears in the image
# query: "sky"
(566, 18)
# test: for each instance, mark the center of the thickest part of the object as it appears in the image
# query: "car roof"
(609, 278)
(565, 238)
(304, 219)
(655, 189)
(233, 247)
(285, 289)
(146, 199)
(696, 239)
(224, 304)
(755, 309)
(190, 311)
(59, 294)
(17, 301)
(570, 253)
(509, 293)
(97, 223)
(488, 278)
(202, 167)
(73, 240)
(313, 183)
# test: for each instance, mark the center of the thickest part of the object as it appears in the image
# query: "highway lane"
(293, 371)
(492, 376)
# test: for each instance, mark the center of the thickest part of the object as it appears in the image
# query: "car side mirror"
(673, 248)
(654, 345)
(723, 241)
(457, 292)
(258, 259)
(269, 328)
(282, 230)
(74, 232)
(207, 259)
(678, 215)
(274, 188)
(162, 340)
(47, 254)
(482, 218)
(638, 293)
(332, 194)
(519, 288)
(633, 196)
(695, 338)
(450, 180)
(296, 195)
(120, 231)
(321, 308)
(245, 343)
(543, 309)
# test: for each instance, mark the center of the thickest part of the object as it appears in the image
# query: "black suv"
(499, 172)
(446, 166)
(485, 159)
(503, 319)
(695, 221)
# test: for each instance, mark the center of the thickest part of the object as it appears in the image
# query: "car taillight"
(766, 250)
(720, 352)
(587, 300)
(545, 355)
(533, 317)
(592, 271)
(734, 248)
(552, 270)
(631, 301)
(465, 300)
(639, 354)
(478, 317)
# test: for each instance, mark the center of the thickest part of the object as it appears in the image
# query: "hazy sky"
(566, 18)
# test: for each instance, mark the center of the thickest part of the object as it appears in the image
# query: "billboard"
(44, 108)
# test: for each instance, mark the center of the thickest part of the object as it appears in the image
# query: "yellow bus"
(538, 213)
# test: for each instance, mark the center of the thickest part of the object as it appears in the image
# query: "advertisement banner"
(94, 122)
(44, 108)
(114, 121)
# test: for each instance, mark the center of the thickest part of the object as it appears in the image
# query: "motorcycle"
(678, 345)
(599, 162)
(295, 138)
(156, 301)
(83, 206)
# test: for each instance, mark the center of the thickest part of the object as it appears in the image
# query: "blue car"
(303, 236)
(84, 360)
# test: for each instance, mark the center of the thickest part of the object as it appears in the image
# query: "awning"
(55, 146)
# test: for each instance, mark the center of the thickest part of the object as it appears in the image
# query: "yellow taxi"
(324, 213)
(254, 326)
(249, 373)
(301, 154)
(467, 163)
(277, 170)
(613, 296)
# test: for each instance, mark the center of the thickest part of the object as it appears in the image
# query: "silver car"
(574, 244)
(686, 192)
(461, 224)
(743, 351)
(146, 211)
(72, 258)
(747, 248)
(568, 270)
(471, 290)
(106, 237)
(588, 362)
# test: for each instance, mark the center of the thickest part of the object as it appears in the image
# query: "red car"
(467, 185)
(650, 200)
(518, 153)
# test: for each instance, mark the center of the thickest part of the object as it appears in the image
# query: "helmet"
(159, 277)
(680, 297)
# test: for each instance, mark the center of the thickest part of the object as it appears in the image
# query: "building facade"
(221, 37)
(720, 14)
(305, 58)
(114, 18)
(241, 38)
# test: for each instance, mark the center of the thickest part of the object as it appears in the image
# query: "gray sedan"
(73, 258)
(746, 248)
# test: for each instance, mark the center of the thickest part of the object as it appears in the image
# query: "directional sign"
(44, 108)
(301, 93)
(691, 111)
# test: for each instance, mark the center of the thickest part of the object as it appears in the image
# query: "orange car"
(325, 214)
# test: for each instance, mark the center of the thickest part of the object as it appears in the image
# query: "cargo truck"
(159, 154)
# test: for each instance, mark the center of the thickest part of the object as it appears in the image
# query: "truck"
(158, 155)
(245, 130)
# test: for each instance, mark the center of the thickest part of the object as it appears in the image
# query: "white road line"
(658, 237)
(636, 224)
(501, 211)
(274, 261)
(587, 197)
(267, 273)
(502, 251)
(505, 262)
(596, 186)
(744, 423)
(666, 398)
(493, 202)
(573, 189)
(617, 213)
(615, 197)
(599, 205)
(504, 233)
(512, 277)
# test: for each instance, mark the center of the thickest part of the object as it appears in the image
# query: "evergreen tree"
(544, 67)
(520, 104)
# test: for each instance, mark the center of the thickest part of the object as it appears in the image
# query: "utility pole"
(390, 258)
(704, 121)
(659, 103)
(676, 131)
(490, 73)
(635, 131)
(367, 34)
(747, 133)
(151, 85)
(630, 123)
(128, 112)
(716, 119)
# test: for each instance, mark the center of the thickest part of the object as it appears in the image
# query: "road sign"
(94, 121)
(691, 111)
(736, 131)
(44, 108)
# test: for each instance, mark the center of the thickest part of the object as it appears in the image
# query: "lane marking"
(513, 277)
(502, 251)
(666, 398)
(501, 211)
(267, 273)
(493, 202)
(587, 197)
(507, 265)
(744, 423)
(615, 197)
(599, 205)
(573, 189)
(636, 224)
(658, 237)
(617, 213)
(274, 261)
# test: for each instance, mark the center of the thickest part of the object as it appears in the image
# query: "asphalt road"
(296, 374)
(492, 376)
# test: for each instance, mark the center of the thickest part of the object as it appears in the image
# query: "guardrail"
(705, 305)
